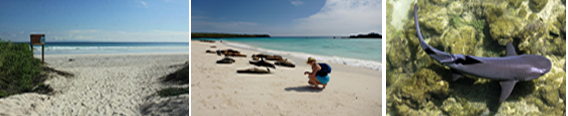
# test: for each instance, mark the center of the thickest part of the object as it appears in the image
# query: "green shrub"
(181, 76)
(19, 70)
(173, 92)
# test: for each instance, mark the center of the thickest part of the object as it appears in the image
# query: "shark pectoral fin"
(456, 75)
(506, 89)
(510, 49)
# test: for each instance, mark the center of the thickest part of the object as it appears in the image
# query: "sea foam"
(108, 49)
(332, 59)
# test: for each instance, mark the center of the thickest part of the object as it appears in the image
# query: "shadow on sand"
(305, 88)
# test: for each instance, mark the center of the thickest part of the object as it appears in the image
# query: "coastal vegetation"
(225, 35)
(179, 77)
(172, 91)
(19, 71)
(370, 35)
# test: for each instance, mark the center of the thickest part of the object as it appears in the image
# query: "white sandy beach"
(218, 90)
(103, 85)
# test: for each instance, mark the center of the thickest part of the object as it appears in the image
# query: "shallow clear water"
(111, 47)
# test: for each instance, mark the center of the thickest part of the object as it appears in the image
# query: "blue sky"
(96, 20)
(287, 17)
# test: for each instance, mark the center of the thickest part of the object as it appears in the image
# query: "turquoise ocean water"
(112, 47)
(355, 52)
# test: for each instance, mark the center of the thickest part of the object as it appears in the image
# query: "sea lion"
(254, 70)
(284, 63)
(208, 41)
(226, 60)
(228, 52)
(267, 57)
(274, 57)
(209, 51)
(262, 63)
(236, 54)
(219, 52)
(258, 56)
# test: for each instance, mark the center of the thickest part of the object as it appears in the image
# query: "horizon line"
(104, 41)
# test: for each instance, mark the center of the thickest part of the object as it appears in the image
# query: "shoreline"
(363, 63)
(217, 89)
(111, 54)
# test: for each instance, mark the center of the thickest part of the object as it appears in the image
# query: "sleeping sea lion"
(262, 63)
(254, 71)
(226, 60)
(267, 57)
(284, 63)
(210, 51)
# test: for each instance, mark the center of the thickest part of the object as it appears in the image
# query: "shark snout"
(541, 65)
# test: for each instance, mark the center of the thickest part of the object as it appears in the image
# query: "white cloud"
(198, 17)
(245, 23)
(144, 3)
(231, 27)
(297, 3)
(342, 17)
(83, 31)
(335, 18)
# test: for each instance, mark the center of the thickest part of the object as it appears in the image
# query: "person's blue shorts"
(323, 79)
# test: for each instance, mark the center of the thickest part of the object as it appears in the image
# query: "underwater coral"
(418, 85)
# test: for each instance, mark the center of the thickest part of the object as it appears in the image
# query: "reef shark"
(508, 70)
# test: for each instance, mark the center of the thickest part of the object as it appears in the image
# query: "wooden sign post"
(36, 39)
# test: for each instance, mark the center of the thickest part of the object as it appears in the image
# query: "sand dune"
(103, 85)
(218, 90)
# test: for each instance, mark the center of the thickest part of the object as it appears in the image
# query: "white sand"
(103, 85)
(219, 90)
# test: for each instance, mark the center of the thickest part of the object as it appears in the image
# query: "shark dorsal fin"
(510, 49)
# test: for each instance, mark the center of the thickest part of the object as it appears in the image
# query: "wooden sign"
(35, 39)
(38, 39)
